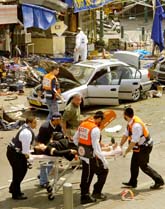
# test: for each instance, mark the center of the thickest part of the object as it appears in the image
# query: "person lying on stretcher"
(61, 148)
(108, 147)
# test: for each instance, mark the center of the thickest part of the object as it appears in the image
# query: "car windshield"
(81, 73)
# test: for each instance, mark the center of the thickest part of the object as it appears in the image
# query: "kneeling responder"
(87, 138)
(18, 153)
(141, 143)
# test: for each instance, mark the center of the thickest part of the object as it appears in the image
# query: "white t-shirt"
(25, 137)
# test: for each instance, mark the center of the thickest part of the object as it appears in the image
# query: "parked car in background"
(159, 72)
(100, 82)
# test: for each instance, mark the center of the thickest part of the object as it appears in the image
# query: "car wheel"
(136, 95)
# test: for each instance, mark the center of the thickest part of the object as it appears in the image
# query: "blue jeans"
(52, 106)
(44, 172)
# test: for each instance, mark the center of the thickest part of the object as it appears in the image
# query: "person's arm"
(95, 135)
(123, 140)
(66, 117)
(136, 134)
(52, 151)
(54, 90)
(25, 137)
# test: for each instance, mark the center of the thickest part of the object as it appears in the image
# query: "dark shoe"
(19, 197)
(99, 196)
(157, 185)
(87, 199)
(10, 191)
(128, 184)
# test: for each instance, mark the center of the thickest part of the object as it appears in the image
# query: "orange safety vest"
(145, 132)
(47, 83)
(85, 142)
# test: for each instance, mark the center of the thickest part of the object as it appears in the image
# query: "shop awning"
(36, 16)
(8, 14)
(83, 5)
(51, 4)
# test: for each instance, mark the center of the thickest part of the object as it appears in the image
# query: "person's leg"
(134, 169)
(19, 169)
(84, 185)
(49, 104)
(44, 172)
(144, 160)
(101, 177)
(54, 107)
(23, 167)
(86, 179)
(76, 56)
(83, 53)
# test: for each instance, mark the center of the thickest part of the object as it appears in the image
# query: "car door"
(101, 91)
(129, 81)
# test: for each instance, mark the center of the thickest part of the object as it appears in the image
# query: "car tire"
(136, 95)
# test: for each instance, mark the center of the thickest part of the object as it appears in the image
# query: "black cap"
(99, 114)
(56, 115)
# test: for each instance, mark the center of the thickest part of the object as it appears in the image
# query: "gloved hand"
(105, 164)
(29, 165)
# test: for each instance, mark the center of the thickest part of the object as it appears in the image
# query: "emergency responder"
(81, 46)
(141, 143)
(87, 139)
(44, 135)
(51, 87)
(18, 153)
(71, 116)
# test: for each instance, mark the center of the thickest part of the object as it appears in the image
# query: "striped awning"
(8, 14)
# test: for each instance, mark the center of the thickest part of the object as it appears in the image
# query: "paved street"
(152, 112)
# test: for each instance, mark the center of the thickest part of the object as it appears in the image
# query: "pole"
(68, 196)
(154, 8)
(101, 24)
(146, 13)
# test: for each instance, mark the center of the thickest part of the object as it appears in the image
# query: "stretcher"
(109, 116)
(60, 168)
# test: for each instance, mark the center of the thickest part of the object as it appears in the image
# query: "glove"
(29, 165)
(105, 164)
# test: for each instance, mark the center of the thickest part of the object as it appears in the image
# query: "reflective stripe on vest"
(144, 128)
(85, 141)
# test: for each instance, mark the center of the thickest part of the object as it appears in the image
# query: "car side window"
(105, 79)
(98, 75)
(116, 73)
(127, 73)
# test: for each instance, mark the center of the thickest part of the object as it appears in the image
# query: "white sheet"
(116, 152)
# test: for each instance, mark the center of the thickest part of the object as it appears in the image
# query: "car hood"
(64, 73)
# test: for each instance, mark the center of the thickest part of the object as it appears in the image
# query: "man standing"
(81, 46)
(44, 136)
(51, 87)
(18, 153)
(141, 143)
(71, 116)
(87, 139)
